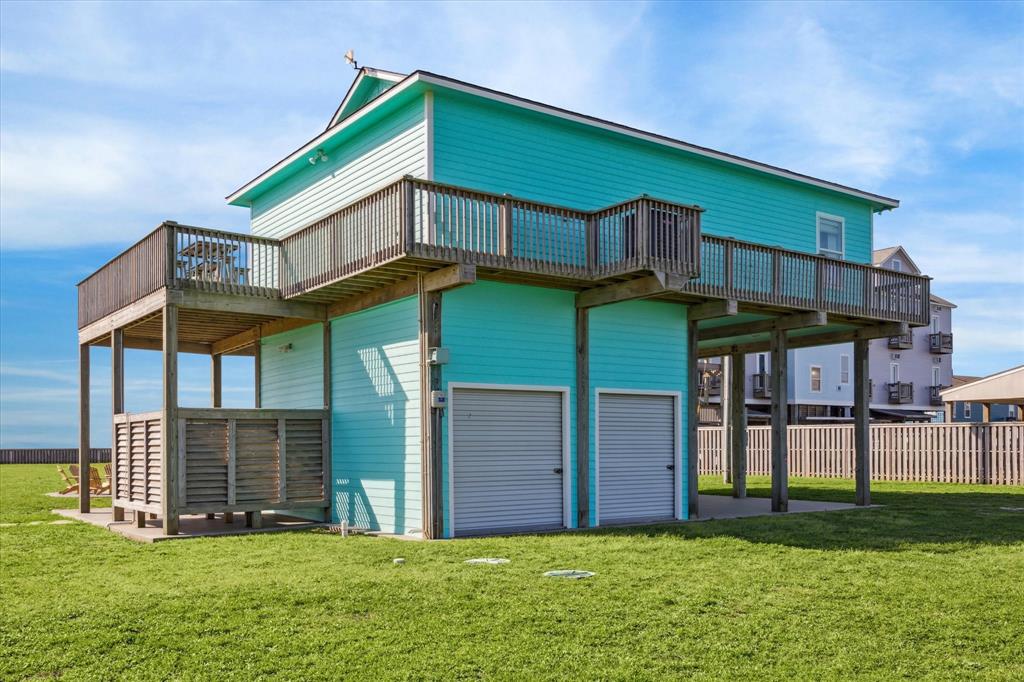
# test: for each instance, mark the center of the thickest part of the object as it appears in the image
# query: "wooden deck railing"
(184, 257)
(431, 221)
(227, 460)
(947, 453)
(454, 224)
(755, 273)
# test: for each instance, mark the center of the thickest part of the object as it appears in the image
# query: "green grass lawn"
(930, 585)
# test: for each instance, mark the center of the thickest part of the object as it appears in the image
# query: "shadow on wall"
(906, 521)
(370, 429)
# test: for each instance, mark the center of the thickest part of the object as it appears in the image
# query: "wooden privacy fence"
(227, 460)
(137, 452)
(251, 460)
(944, 453)
(50, 455)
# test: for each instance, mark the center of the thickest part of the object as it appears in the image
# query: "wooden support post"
(169, 460)
(140, 519)
(257, 371)
(253, 519)
(430, 337)
(780, 465)
(724, 409)
(216, 383)
(229, 517)
(949, 412)
(326, 430)
(83, 429)
(862, 422)
(738, 423)
(117, 407)
(210, 516)
(986, 412)
(692, 419)
(582, 417)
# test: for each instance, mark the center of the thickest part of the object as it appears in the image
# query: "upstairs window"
(896, 265)
(815, 379)
(935, 324)
(935, 375)
(844, 369)
(830, 236)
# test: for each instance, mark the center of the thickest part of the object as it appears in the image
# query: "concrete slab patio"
(191, 526)
(194, 526)
(726, 507)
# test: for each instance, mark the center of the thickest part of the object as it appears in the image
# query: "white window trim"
(821, 378)
(844, 378)
(935, 324)
(842, 231)
(967, 410)
(566, 456)
(677, 483)
(894, 376)
(936, 375)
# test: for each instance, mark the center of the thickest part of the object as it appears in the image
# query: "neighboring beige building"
(997, 397)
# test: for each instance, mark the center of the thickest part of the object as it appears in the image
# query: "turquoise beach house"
(474, 313)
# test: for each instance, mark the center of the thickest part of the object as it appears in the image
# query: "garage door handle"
(558, 470)
(670, 467)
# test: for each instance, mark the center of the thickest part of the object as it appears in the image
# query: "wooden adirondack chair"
(105, 487)
(71, 483)
(95, 482)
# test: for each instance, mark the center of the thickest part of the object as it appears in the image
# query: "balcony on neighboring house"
(901, 342)
(901, 393)
(933, 395)
(762, 385)
(714, 385)
(940, 343)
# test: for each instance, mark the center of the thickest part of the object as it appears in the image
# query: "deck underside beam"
(807, 341)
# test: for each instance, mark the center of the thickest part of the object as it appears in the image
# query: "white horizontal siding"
(392, 148)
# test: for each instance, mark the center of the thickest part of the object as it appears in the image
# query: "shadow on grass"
(905, 518)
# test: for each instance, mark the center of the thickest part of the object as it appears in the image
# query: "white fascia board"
(511, 100)
(441, 81)
(317, 141)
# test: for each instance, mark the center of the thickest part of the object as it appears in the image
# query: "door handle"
(558, 470)
(670, 467)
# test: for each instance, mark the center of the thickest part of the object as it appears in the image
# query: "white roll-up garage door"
(506, 450)
(636, 457)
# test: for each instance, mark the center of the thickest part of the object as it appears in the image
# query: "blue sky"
(114, 117)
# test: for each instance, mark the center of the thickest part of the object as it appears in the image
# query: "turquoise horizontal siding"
(375, 402)
(384, 152)
(292, 377)
(499, 148)
(509, 334)
(638, 345)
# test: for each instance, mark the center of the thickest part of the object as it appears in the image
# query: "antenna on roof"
(350, 57)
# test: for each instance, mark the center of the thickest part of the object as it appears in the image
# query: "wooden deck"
(413, 226)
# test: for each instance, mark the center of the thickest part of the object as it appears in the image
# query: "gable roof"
(347, 113)
(1006, 387)
(880, 256)
(938, 300)
(367, 85)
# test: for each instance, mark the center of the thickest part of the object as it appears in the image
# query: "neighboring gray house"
(907, 372)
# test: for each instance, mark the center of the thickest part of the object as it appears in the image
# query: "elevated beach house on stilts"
(474, 313)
